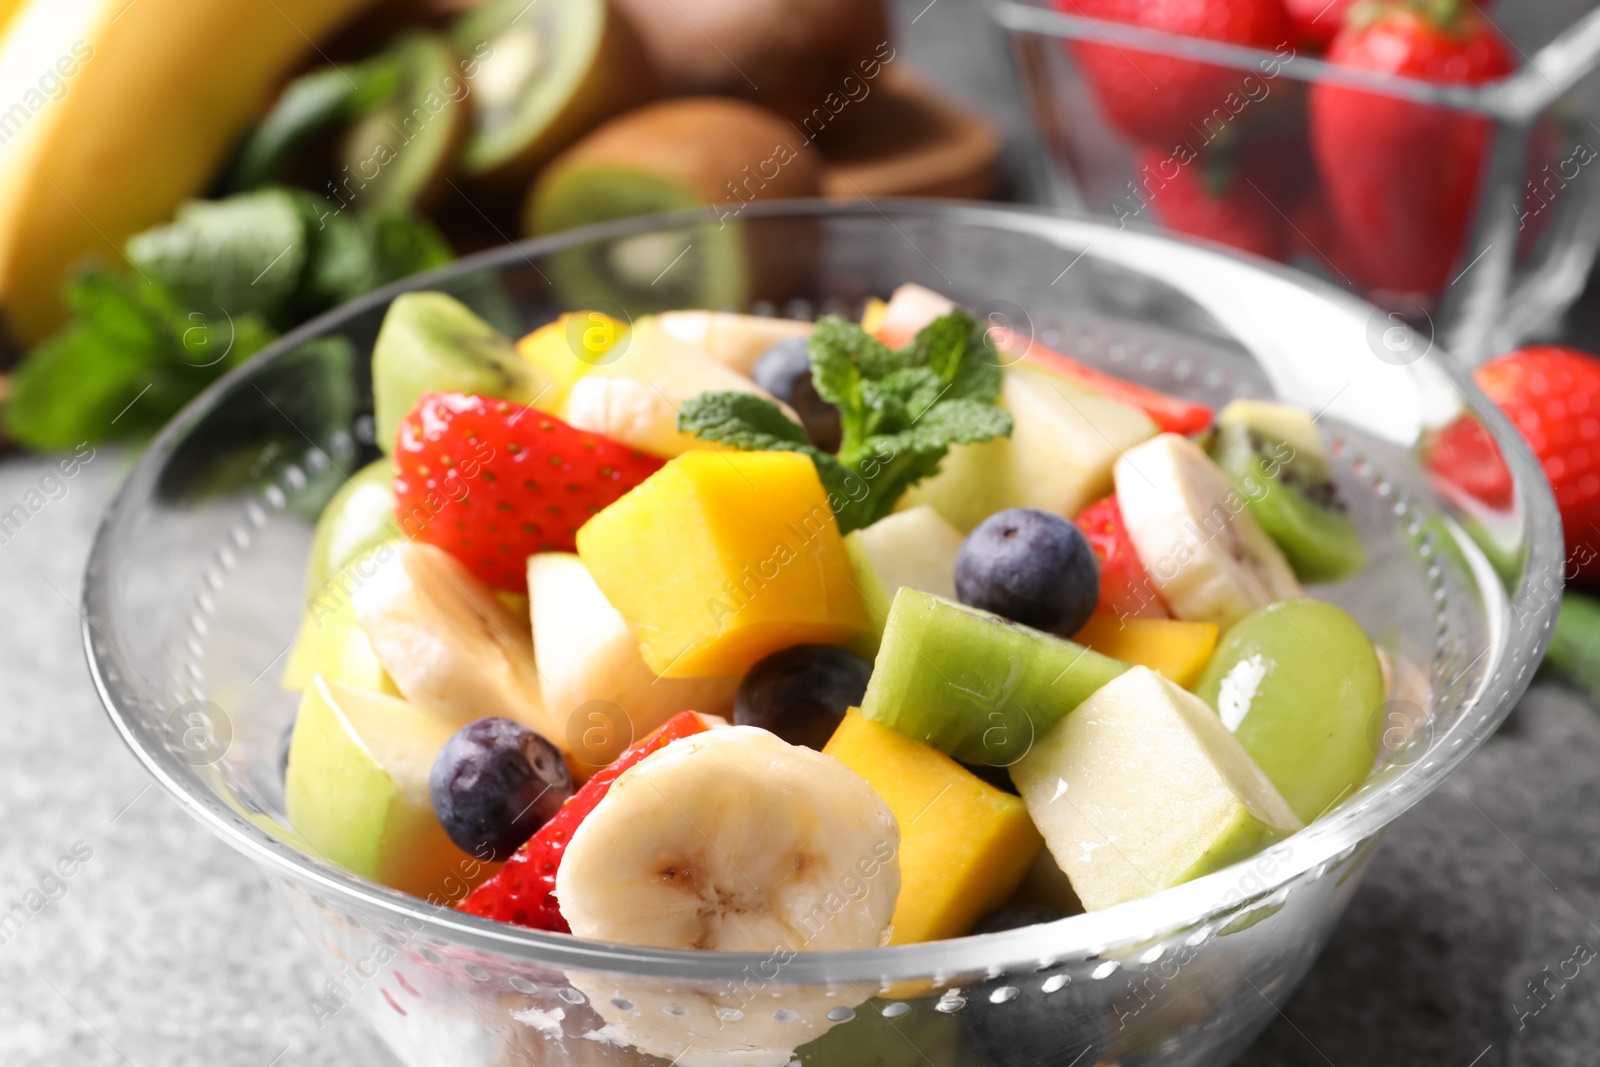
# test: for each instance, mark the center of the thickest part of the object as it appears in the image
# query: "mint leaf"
(311, 104)
(899, 411)
(743, 420)
(130, 358)
(238, 256)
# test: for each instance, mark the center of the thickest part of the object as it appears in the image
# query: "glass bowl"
(193, 594)
(1245, 118)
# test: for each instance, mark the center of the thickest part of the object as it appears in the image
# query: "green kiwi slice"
(542, 74)
(399, 154)
(1276, 460)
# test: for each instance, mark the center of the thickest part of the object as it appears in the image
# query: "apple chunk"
(591, 672)
(357, 789)
(1142, 787)
(915, 548)
(1063, 445)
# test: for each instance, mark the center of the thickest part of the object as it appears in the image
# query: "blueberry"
(802, 693)
(1031, 567)
(784, 370)
(494, 783)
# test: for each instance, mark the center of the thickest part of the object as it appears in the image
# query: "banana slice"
(1209, 559)
(447, 641)
(738, 841)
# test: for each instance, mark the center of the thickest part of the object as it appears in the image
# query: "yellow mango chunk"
(1180, 650)
(720, 558)
(964, 845)
(569, 348)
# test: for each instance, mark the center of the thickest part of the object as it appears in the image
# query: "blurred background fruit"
(377, 138)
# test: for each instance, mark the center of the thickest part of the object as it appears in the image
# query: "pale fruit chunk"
(633, 395)
(1142, 788)
(1194, 534)
(731, 840)
(592, 675)
(449, 643)
(357, 789)
(733, 340)
(1063, 445)
(332, 643)
(915, 548)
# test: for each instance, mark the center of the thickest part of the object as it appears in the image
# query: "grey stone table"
(157, 946)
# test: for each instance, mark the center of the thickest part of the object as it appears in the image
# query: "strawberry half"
(1125, 588)
(493, 482)
(1552, 395)
(523, 891)
(1463, 457)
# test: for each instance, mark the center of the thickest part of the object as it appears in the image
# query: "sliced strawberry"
(1171, 414)
(1125, 588)
(493, 482)
(911, 307)
(1465, 458)
(523, 891)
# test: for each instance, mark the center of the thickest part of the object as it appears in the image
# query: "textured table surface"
(166, 948)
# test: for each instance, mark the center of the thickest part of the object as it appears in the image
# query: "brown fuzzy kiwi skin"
(728, 152)
(621, 76)
(724, 150)
(786, 55)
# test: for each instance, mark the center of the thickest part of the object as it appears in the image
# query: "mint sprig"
(899, 411)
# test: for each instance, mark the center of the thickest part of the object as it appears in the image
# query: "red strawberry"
(493, 482)
(523, 891)
(1316, 22)
(1164, 99)
(1402, 177)
(1212, 204)
(1465, 459)
(1552, 395)
(1125, 588)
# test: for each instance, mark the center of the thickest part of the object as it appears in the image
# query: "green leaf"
(743, 420)
(899, 411)
(129, 359)
(312, 103)
(239, 256)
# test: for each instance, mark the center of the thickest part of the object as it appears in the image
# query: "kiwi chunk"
(973, 685)
(432, 343)
(542, 75)
(1276, 460)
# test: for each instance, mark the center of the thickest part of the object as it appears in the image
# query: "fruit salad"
(712, 631)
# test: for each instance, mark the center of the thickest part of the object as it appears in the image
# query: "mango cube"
(964, 845)
(1177, 649)
(720, 558)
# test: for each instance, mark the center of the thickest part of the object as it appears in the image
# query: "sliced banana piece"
(736, 341)
(730, 840)
(448, 642)
(1209, 559)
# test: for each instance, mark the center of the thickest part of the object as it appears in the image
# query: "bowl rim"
(1534, 84)
(1329, 840)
